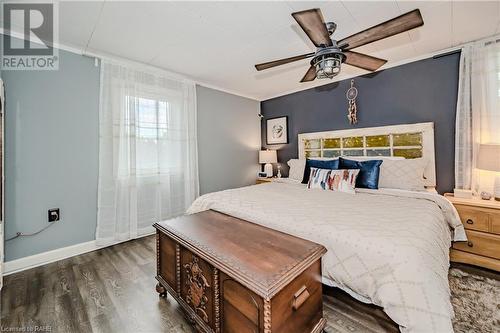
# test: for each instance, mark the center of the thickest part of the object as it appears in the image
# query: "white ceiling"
(217, 43)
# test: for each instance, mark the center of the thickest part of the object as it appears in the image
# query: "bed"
(388, 247)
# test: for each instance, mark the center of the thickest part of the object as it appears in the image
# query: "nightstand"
(481, 219)
(262, 180)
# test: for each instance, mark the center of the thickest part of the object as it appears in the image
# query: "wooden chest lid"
(262, 259)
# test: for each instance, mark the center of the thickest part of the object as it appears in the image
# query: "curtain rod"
(492, 42)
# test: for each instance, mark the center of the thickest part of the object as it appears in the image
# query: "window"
(147, 150)
(157, 149)
(407, 145)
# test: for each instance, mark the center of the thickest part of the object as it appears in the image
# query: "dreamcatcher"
(352, 110)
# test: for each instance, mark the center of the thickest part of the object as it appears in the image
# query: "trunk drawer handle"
(300, 297)
(469, 221)
(470, 244)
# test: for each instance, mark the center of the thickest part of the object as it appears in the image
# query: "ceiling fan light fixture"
(328, 65)
(330, 53)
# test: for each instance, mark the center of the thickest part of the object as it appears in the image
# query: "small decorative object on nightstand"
(463, 194)
(481, 219)
(486, 195)
(267, 157)
(262, 180)
(489, 159)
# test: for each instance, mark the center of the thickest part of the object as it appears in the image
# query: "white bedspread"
(388, 246)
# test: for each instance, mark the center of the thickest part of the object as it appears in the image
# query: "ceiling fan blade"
(311, 21)
(363, 60)
(266, 65)
(310, 75)
(389, 28)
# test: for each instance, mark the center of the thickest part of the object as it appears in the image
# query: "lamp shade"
(267, 156)
(489, 157)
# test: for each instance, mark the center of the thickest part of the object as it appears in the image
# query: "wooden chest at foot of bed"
(230, 275)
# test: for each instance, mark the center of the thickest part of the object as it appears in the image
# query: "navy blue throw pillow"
(369, 172)
(320, 164)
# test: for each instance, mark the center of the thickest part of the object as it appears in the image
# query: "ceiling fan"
(330, 54)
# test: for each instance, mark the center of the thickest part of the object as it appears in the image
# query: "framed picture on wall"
(277, 130)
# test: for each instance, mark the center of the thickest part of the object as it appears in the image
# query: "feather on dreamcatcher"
(352, 110)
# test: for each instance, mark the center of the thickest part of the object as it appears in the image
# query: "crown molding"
(206, 84)
(104, 56)
(391, 65)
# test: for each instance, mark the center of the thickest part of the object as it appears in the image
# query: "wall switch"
(54, 215)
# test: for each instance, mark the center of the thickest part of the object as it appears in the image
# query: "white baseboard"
(43, 258)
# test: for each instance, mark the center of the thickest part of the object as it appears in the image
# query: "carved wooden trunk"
(231, 275)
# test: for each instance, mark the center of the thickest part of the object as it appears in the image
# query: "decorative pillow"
(320, 164)
(335, 180)
(368, 171)
(297, 168)
(406, 174)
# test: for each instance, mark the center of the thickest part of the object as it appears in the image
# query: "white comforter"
(388, 247)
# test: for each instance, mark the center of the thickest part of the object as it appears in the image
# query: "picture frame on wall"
(277, 130)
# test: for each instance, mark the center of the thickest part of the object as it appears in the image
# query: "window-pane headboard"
(408, 141)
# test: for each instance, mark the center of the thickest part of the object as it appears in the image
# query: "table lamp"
(489, 159)
(268, 157)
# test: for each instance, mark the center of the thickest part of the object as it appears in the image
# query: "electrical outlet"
(54, 215)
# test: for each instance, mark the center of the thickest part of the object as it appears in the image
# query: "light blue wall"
(51, 154)
(228, 140)
(52, 151)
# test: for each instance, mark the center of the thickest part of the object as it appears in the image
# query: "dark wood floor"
(112, 290)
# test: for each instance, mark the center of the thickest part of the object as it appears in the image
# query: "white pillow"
(297, 167)
(334, 180)
(405, 174)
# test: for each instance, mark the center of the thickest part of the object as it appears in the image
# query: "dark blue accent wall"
(421, 91)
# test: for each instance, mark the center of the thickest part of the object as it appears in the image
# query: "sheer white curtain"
(463, 124)
(148, 168)
(478, 112)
